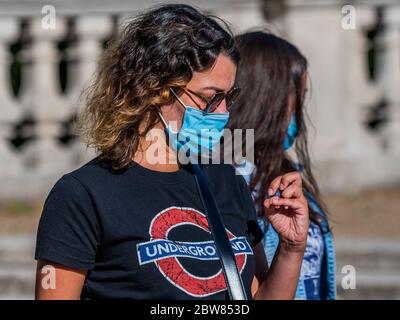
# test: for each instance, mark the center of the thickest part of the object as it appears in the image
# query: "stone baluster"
(10, 111)
(41, 98)
(340, 89)
(365, 147)
(360, 92)
(91, 32)
(389, 77)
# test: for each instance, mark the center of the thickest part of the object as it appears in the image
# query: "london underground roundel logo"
(165, 253)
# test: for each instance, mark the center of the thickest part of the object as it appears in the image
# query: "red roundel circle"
(172, 269)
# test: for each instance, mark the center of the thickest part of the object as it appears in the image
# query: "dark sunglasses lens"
(215, 101)
(232, 96)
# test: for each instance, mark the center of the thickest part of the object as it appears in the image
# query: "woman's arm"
(57, 282)
(288, 214)
(280, 281)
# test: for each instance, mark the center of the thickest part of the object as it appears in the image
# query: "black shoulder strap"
(222, 243)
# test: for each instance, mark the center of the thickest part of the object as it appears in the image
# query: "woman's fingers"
(283, 202)
(274, 186)
(269, 204)
(290, 178)
(282, 182)
(292, 191)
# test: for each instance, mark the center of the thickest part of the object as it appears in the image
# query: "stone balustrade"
(36, 146)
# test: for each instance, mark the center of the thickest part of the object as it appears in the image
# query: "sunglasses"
(213, 102)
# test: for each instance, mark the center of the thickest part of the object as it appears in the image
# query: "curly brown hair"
(157, 50)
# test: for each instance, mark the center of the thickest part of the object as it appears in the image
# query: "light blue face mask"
(291, 133)
(200, 130)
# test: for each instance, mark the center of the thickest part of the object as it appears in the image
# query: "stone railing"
(355, 100)
(51, 66)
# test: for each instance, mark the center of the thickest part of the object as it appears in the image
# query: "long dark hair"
(157, 50)
(271, 72)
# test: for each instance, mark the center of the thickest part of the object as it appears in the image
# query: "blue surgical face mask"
(291, 133)
(200, 130)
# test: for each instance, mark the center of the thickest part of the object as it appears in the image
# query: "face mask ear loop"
(165, 122)
(161, 117)
(177, 97)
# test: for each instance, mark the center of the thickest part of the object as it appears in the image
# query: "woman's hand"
(288, 213)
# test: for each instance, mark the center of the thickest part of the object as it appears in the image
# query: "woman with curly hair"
(126, 226)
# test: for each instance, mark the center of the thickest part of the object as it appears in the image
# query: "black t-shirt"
(142, 234)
